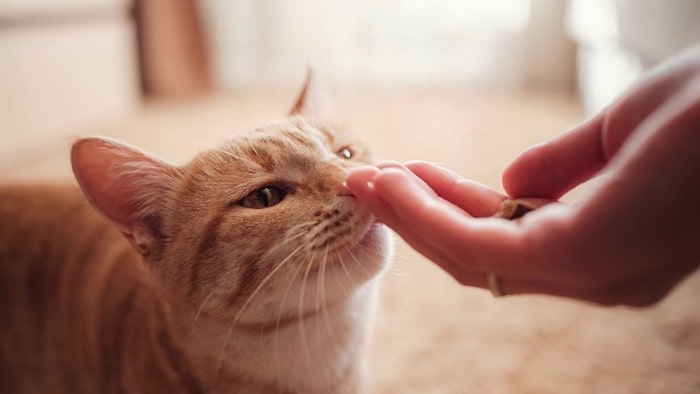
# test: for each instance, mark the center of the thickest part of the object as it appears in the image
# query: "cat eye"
(264, 197)
(344, 153)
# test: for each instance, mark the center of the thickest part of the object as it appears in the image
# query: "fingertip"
(406, 175)
(552, 168)
(389, 164)
(362, 170)
(415, 164)
(429, 171)
(361, 182)
(420, 168)
(389, 177)
(538, 173)
(392, 183)
(359, 177)
(517, 176)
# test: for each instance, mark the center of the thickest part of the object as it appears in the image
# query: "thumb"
(550, 169)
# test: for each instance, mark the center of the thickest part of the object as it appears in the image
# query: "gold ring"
(494, 285)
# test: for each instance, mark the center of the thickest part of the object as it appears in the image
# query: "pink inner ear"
(117, 179)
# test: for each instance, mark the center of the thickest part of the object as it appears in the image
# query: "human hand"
(629, 242)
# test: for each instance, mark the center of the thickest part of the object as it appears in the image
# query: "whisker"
(302, 229)
(199, 311)
(391, 269)
(347, 292)
(284, 242)
(345, 268)
(302, 331)
(324, 301)
(321, 302)
(321, 294)
(239, 315)
(279, 317)
(319, 283)
(359, 263)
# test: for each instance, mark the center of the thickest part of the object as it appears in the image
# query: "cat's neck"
(321, 351)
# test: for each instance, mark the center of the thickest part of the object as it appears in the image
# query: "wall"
(64, 66)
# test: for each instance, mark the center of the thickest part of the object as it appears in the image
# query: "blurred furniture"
(65, 65)
(619, 39)
(172, 51)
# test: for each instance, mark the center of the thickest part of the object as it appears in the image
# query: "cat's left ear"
(312, 103)
(125, 185)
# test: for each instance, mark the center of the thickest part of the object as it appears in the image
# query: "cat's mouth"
(364, 251)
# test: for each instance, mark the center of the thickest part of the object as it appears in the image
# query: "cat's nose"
(343, 191)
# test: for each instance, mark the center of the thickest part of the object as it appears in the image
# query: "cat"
(250, 269)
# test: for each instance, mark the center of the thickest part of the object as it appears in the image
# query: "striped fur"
(210, 296)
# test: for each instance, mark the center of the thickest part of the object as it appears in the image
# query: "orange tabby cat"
(250, 269)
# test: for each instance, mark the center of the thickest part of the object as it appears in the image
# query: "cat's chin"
(363, 259)
(374, 238)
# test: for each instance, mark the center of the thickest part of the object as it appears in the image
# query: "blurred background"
(466, 83)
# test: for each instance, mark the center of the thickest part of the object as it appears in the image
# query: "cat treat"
(515, 209)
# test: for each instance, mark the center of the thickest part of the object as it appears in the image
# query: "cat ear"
(311, 102)
(125, 185)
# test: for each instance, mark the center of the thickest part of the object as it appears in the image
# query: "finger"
(550, 169)
(470, 244)
(639, 103)
(360, 183)
(417, 179)
(475, 198)
(467, 268)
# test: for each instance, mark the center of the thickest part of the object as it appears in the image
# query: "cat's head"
(260, 226)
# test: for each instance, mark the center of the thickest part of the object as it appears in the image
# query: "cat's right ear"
(311, 102)
(125, 185)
